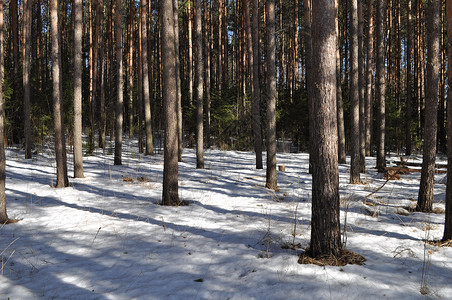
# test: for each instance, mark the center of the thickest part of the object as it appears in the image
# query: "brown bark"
(190, 53)
(170, 167)
(408, 53)
(91, 78)
(207, 59)
(361, 87)
(146, 86)
(380, 85)
(354, 94)
(425, 198)
(26, 23)
(271, 178)
(130, 69)
(325, 224)
(119, 84)
(448, 214)
(339, 102)
(60, 143)
(180, 133)
(78, 150)
(102, 71)
(199, 68)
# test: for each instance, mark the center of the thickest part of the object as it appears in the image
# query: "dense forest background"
(224, 40)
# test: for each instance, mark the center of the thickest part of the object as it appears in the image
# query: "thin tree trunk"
(342, 158)
(369, 76)
(207, 47)
(130, 69)
(380, 85)
(146, 88)
(103, 117)
(180, 132)
(170, 167)
(119, 83)
(325, 224)
(3, 214)
(271, 178)
(448, 214)
(199, 64)
(408, 112)
(354, 95)
(78, 31)
(361, 87)
(91, 79)
(60, 143)
(425, 198)
(190, 53)
(26, 22)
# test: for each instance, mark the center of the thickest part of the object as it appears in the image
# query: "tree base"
(9, 221)
(346, 257)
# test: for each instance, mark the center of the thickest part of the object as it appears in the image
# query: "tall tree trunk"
(13, 14)
(207, 47)
(325, 224)
(92, 92)
(425, 198)
(146, 87)
(102, 71)
(78, 32)
(119, 84)
(26, 22)
(199, 63)
(170, 167)
(180, 132)
(354, 94)
(60, 143)
(271, 178)
(190, 53)
(3, 214)
(408, 112)
(342, 158)
(140, 83)
(369, 77)
(361, 87)
(130, 69)
(448, 214)
(380, 85)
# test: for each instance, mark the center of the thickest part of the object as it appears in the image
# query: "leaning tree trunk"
(170, 166)
(271, 181)
(199, 68)
(325, 224)
(3, 214)
(425, 198)
(354, 94)
(448, 220)
(60, 143)
(380, 85)
(78, 151)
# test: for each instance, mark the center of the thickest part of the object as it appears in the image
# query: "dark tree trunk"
(199, 68)
(180, 132)
(409, 91)
(354, 94)
(119, 84)
(271, 181)
(448, 214)
(369, 76)
(78, 151)
(361, 87)
(146, 87)
(325, 224)
(342, 157)
(207, 47)
(170, 167)
(425, 199)
(380, 85)
(60, 143)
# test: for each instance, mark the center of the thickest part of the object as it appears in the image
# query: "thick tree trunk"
(425, 198)
(3, 214)
(380, 85)
(170, 167)
(78, 150)
(354, 94)
(271, 178)
(325, 224)
(448, 214)
(60, 143)
(119, 84)
(146, 87)
(26, 22)
(199, 68)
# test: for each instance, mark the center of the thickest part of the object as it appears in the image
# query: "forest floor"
(107, 237)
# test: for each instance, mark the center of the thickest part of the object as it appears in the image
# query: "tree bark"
(26, 75)
(199, 68)
(354, 95)
(342, 158)
(271, 178)
(369, 77)
(60, 143)
(146, 87)
(380, 85)
(361, 87)
(119, 84)
(425, 198)
(78, 150)
(325, 224)
(207, 47)
(408, 110)
(170, 167)
(448, 214)
(3, 213)
(180, 132)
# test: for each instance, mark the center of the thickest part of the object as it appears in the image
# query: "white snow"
(105, 238)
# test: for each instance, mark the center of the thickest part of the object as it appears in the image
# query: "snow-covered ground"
(106, 238)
